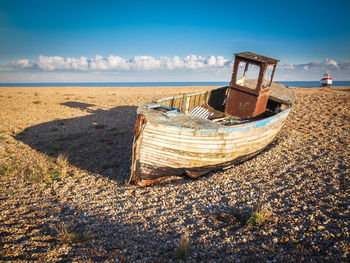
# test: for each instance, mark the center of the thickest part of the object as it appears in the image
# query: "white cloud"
(172, 63)
(317, 66)
(99, 63)
(331, 62)
(145, 63)
(55, 62)
(51, 63)
(21, 63)
(116, 62)
(210, 67)
(344, 64)
(315, 70)
(194, 62)
(286, 66)
(78, 64)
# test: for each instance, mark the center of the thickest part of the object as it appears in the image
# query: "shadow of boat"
(98, 142)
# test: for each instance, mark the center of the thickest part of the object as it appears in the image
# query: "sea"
(305, 84)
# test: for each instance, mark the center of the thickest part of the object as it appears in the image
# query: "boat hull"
(164, 149)
(326, 82)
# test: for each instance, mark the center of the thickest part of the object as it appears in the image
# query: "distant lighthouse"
(327, 80)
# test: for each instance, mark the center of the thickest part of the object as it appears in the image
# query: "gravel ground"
(64, 162)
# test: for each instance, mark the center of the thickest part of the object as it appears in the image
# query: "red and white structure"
(327, 80)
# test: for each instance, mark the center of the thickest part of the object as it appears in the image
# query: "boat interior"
(214, 102)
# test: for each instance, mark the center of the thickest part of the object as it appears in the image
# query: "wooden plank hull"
(174, 146)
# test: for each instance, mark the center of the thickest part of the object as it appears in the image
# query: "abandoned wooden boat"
(194, 134)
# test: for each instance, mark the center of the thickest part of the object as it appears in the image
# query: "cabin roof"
(256, 57)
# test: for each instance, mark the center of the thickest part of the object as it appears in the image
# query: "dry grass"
(260, 215)
(181, 252)
(64, 173)
(6, 170)
(78, 175)
(44, 167)
(66, 233)
(33, 174)
(62, 160)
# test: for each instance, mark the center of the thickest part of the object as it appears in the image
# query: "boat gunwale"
(221, 127)
(165, 119)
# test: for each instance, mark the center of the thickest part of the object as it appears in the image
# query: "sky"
(137, 41)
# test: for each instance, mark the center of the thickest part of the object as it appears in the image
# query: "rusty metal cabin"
(247, 98)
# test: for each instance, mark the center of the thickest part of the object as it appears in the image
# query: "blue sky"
(52, 41)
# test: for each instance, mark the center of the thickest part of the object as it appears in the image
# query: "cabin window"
(268, 76)
(247, 75)
(240, 74)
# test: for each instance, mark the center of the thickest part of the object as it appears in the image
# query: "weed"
(48, 180)
(33, 175)
(181, 252)
(44, 167)
(6, 170)
(2, 131)
(102, 140)
(67, 235)
(10, 141)
(21, 147)
(9, 97)
(262, 214)
(78, 175)
(63, 173)
(6, 191)
(17, 132)
(9, 192)
(255, 218)
(53, 176)
(37, 102)
(62, 160)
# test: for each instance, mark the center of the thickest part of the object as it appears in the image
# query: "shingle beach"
(65, 156)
